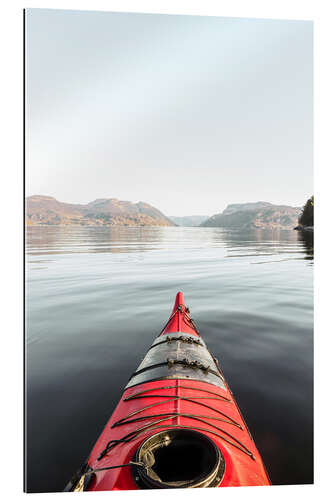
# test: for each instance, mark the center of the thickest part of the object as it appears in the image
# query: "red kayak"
(177, 424)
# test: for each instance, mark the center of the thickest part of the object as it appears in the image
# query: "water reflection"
(55, 240)
(259, 243)
(306, 237)
(89, 239)
(97, 297)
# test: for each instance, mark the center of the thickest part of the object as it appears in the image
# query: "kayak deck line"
(192, 400)
(135, 395)
(185, 362)
(193, 416)
(181, 338)
(178, 360)
(128, 437)
(180, 307)
(183, 427)
(127, 420)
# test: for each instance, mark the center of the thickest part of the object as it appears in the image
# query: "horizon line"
(170, 215)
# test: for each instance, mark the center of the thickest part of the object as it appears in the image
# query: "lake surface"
(96, 299)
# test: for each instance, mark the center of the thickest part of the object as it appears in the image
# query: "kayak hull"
(178, 388)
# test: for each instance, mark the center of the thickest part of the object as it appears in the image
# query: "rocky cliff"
(260, 215)
(42, 210)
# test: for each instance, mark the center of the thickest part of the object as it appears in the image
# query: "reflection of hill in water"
(260, 242)
(56, 240)
(72, 239)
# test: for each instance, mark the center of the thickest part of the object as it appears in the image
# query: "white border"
(320, 11)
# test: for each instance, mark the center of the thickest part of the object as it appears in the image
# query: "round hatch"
(178, 458)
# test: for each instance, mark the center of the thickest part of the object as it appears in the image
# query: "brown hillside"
(259, 215)
(42, 210)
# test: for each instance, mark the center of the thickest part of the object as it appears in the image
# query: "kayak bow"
(177, 424)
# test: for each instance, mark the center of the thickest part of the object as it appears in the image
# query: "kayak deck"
(177, 423)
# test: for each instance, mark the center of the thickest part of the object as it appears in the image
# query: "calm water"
(96, 299)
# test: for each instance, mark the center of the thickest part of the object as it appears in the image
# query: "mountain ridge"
(47, 210)
(255, 215)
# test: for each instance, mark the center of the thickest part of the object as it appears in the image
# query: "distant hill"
(259, 215)
(42, 210)
(189, 220)
(236, 207)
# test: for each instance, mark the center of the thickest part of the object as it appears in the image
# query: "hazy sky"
(187, 113)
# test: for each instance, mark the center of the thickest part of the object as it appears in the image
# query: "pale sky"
(187, 113)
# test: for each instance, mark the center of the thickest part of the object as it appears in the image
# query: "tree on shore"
(306, 218)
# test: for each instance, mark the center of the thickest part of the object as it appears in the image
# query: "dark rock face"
(42, 210)
(260, 215)
(307, 217)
